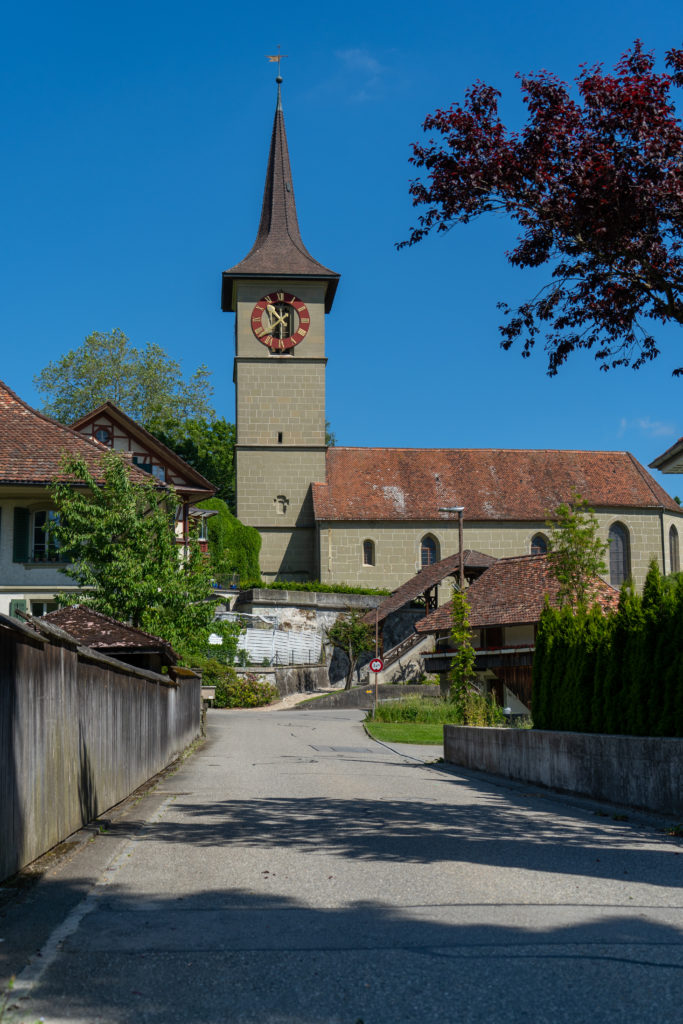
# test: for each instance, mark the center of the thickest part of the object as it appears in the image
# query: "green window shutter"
(20, 537)
(19, 605)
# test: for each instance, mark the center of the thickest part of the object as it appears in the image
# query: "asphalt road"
(293, 871)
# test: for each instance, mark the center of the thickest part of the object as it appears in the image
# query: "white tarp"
(280, 646)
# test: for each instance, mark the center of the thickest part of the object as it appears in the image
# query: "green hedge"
(322, 588)
(233, 546)
(619, 673)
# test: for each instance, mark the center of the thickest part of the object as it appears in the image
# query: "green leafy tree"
(208, 446)
(352, 636)
(462, 666)
(145, 383)
(575, 550)
(125, 560)
(233, 547)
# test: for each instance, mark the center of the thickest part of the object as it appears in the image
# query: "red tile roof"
(32, 445)
(194, 486)
(428, 577)
(512, 592)
(491, 483)
(103, 633)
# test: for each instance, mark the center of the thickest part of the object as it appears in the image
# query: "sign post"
(376, 666)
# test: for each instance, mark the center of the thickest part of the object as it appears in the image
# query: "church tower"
(280, 296)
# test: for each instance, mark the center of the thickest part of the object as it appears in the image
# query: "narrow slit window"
(368, 552)
(619, 554)
(674, 556)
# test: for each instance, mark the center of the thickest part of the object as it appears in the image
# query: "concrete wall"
(292, 678)
(363, 697)
(79, 732)
(636, 771)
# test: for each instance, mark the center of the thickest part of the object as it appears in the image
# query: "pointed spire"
(279, 250)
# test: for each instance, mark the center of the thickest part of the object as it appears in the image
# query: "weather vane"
(277, 57)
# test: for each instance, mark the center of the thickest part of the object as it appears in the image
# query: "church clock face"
(280, 321)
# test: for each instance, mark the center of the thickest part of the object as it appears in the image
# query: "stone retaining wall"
(291, 678)
(636, 771)
(364, 696)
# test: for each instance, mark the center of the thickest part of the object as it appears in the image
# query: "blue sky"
(135, 144)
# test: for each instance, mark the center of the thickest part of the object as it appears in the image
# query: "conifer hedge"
(619, 672)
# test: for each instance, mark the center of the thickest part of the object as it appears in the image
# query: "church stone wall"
(397, 545)
(283, 395)
(250, 292)
(288, 554)
(267, 476)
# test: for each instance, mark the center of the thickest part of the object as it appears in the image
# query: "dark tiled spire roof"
(278, 250)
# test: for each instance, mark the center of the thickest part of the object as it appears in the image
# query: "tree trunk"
(349, 674)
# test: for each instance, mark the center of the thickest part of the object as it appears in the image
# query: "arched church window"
(619, 554)
(368, 552)
(429, 551)
(674, 557)
(539, 544)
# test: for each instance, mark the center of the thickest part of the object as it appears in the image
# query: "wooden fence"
(79, 732)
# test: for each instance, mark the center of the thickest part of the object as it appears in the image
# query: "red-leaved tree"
(596, 187)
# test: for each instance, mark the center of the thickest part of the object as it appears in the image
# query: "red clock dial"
(280, 321)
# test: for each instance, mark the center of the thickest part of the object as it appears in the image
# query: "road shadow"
(223, 955)
(509, 831)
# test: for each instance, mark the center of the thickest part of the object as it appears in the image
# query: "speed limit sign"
(376, 665)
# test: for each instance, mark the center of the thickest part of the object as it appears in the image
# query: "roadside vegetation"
(234, 689)
(421, 719)
(315, 586)
(620, 673)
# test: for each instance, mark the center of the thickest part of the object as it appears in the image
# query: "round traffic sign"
(376, 665)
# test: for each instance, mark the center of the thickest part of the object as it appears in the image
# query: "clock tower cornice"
(279, 251)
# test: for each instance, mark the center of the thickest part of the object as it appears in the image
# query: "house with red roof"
(117, 431)
(505, 605)
(32, 449)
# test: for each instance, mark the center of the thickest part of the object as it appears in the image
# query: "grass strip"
(406, 732)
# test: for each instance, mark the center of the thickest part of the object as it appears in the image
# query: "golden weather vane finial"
(276, 58)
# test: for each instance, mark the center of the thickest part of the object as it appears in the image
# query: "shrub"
(473, 709)
(478, 709)
(233, 690)
(321, 588)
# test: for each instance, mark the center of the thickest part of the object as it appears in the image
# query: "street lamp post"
(461, 568)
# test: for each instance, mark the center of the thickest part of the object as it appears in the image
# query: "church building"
(373, 517)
